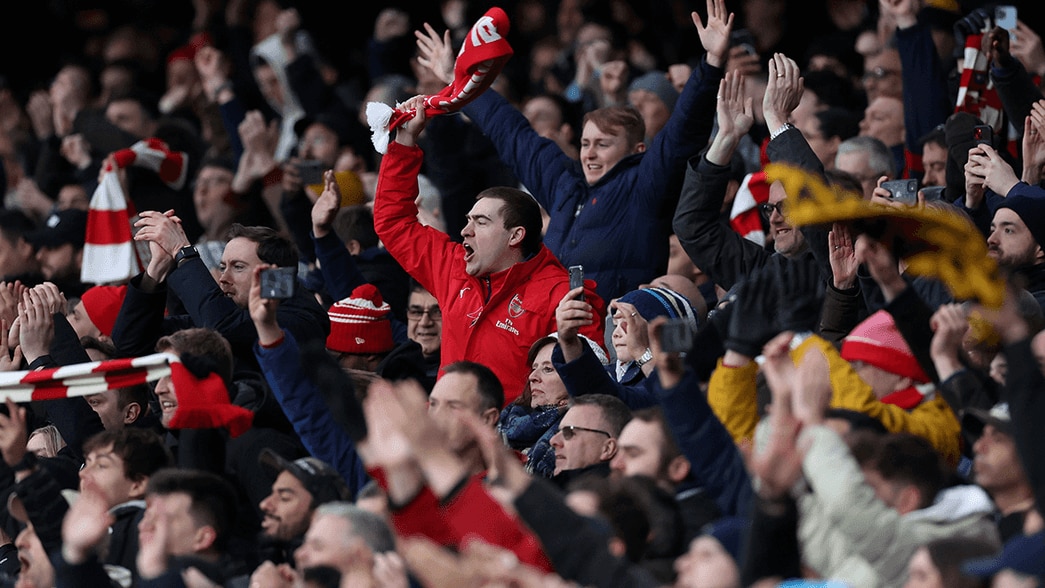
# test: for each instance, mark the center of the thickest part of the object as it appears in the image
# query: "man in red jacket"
(499, 288)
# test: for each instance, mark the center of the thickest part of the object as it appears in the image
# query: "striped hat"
(360, 323)
(655, 301)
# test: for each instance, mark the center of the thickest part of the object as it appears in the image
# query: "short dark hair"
(616, 413)
(203, 342)
(519, 209)
(836, 121)
(910, 459)
(491, 393)
(949, 553)
(273, 247)
(356, 223)
(624, 117)
(669, 449)
(937, 136)
(213, 500)
(143, 451)
(15, 224)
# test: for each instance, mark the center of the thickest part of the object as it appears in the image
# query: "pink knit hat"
(360, 323)
(877, 341)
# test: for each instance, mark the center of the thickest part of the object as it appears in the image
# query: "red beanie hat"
(102, 304)
(876, 341)
(203, 399)
(360, 323)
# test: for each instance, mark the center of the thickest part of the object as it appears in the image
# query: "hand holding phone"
(983, 135)
(311, 171)
(905, 191)
(676, 336)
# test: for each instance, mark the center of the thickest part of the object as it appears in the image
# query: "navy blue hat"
(659, 85)
(730, 532)
(1023, 554)
(655, 301)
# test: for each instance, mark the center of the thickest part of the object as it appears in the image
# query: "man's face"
(487, 243)
(453, 394)
(182, 529)
(36, 569)
(787, 240)
(824, 148)
(16, 257)
(81, 323)
(424, 321)
(883, 120)
(237, 269)
(129, 117)
(934, 161)
(319, 142)
(654, 111)
(287, 509)
(211, 196)
(584, 447)
(167, 398)
(73, 196)
(679, 262)
(995, 464)
(57, 263)
(639, 451)
(546, 387)
(105, 471)
(326, 543)
(544, 117)
(619, 337)
(269, 85)
(107, 405)
(882, 75)
(601, 150)
(855, 163)
(1011, 243)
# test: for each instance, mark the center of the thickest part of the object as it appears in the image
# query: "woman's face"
(546, 388)
(922, 572)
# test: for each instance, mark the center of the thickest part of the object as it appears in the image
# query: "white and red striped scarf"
(745, 217)
(109, 252)
(202, 403)
(978, 96)
(480, 60)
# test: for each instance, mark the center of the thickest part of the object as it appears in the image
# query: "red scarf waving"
(481, 59)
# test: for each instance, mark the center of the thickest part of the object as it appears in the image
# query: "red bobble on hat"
(876, 341)
(102, 304)
(360, 323)
(203, 403)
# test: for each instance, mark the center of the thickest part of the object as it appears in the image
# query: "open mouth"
(469, 253)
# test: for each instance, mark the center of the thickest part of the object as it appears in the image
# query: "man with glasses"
(587, 437)
(424, 325)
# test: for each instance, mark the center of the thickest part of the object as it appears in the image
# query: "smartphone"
(311, 171)
(676, 336)
(743, 38)
(278, 283)
(577, 278)
(930, 193)
(902, 190)
(983, 135)
(1005, 17)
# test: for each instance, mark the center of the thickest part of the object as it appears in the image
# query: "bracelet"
(778, 132)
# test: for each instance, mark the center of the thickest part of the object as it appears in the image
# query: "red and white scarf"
(481, 59)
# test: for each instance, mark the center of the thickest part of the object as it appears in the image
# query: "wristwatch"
(646, 357)
(187, 252)
(773, 134)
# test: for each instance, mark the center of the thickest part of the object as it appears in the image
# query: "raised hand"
(36, 326)
(86, 523)
(162, 228)
(1026, 46)
(783, 91)
(13, 435)
(572, 313)
(1034, 144)
(779, 464)
(997, 174)
(407, 134)
(259, 150)
(326, 206)
(715, 35)
(263, 310)
(753, 321)
(735, 109)
(842, 256)
(812, 392)
(436, 53)
(949, 324)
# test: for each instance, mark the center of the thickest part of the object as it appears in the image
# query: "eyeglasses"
(569, 431)
(416, 312)
(879, 73)
(767, 209)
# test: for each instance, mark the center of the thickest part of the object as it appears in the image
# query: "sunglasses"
(767, 209)
(569, 431)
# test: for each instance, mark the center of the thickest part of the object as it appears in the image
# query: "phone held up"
(983, 135)
(278, 282)
(905, 191)
(676, 336)
(577, 279)
(311, 171)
